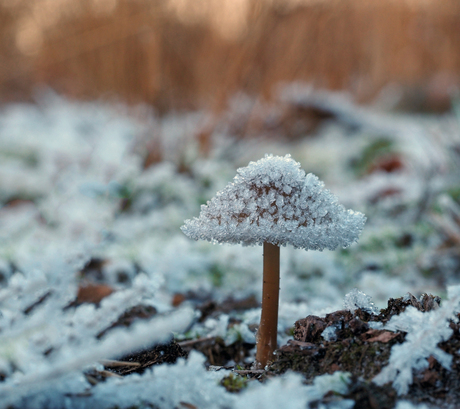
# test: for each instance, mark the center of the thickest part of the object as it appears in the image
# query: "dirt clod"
(168, 353)
(359, 348)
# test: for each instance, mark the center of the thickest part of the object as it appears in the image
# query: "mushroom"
(272, 202)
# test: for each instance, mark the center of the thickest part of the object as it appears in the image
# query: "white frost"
(289, 391)
(425, 330)
(356, 299)
(330, 333)
(404, 404)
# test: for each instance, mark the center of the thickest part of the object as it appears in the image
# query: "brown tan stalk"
(267, 333)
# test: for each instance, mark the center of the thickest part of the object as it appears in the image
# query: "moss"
(217, 275)
(234, 383)
(28, 157)
(377, 148)
(361, 359)
(454, 193)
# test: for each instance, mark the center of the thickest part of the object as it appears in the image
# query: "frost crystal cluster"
(273, 200)
(356, 299)
(425, 330)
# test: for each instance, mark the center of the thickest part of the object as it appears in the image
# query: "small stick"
(108, 374)
(249, 371)
(109, 363)
(194, 341)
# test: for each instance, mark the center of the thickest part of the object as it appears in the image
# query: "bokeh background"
(120, 118)
(182, 54)
(365, 94)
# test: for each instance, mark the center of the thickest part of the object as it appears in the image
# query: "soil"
(357, 348)
(364, 351)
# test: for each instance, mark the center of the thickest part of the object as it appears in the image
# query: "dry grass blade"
(192, 342)
(109, 363)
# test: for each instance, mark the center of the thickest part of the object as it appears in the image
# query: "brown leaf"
(187, 405)
(381, 335)
(93, 293)
(388, 164)
(178, 299)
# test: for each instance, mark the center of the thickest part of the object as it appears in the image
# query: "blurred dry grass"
(144, 50)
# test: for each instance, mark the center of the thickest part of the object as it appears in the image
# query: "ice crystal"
(425, 330)
(338, 382)
(330, 333)
(356, 299)
(185, 383)
(276, 393)
(164, 387)
(405, 404)
(273, 200)
(290, 390)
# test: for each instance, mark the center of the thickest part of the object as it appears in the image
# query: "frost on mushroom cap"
(273, 200)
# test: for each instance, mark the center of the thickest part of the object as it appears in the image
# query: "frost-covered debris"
(188, 382)
(425, 330)
(357, 299)
(41, 145)
(273, 200)
(73, 188)
(161, 197)
(329, 334)
(164, 387)
(60, 374)
(338, 382)
(50, 344)
(404, 404)
(414, 136)
(289, 390)
(248, 321)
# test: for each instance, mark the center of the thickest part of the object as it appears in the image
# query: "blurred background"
(189, 54)
(119, 118)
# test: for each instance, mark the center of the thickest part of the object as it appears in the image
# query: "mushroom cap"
(273, 200)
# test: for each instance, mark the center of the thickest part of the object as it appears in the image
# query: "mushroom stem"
(267, 333)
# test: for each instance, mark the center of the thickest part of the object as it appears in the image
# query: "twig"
(109, 374)
(109, 363)
(249, 371)
(195, 341)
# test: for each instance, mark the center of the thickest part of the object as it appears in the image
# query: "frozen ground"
(74, 189)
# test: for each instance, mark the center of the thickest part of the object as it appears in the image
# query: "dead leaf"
(187, 405)
(177, 299)
(93, 293)
(381, 335)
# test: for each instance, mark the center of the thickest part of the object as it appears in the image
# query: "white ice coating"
(356, 299)
(273, 200)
